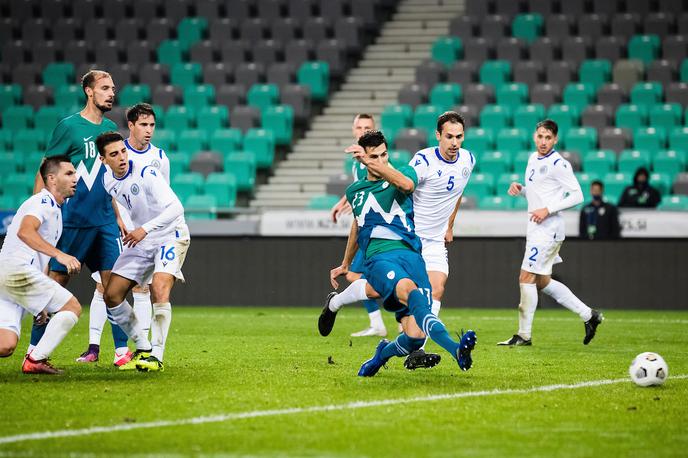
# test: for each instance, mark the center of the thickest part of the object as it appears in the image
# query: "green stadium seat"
(262, 96)
(7, 203)
(496, 203)
(70, 96)
(165, 139)
(187, 184)
(47, 117)
(28, 141)
(495, 72)
(566, 117)
(6, 136)
(684, 71)
(678, 203)
(495, 117)
(226, 141)
(596, 72)
(615, 183)
(190, 31)
(171, 52)
(527, 116)
(398, 157)
(57, 74)
(580, 95)
(280, 120)
(10, 94)
(666, 116)
(631, 160)
(199, 96)
(315, 75)
(447, 50)
(446, 95)
(132, 94)
(192, 140)
(644, 48)
(223, 187)
(670, 162)
(512, 140)
(581, 140)
(599, 162)
(200, 206)
(480, 185)
(495, 163)
(527, 27)
(17, 117)
(19, 185)
(212, 118)
(678, 139)
(262, 143)
(662, 182)
(512, 95)
(647, 94)
(32, 161)
(186, 74)
(323, 201)
(243, 166)
(394, 118)
(12, 163)
(479, 140)
(649, 139)
(585, 179)
(631, 116)
(179, 163)
(521, 161)
(518, 203)
(179, 118)
(425, 117)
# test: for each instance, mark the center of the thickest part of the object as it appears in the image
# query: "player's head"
(141, 123)
(545, 136)
(113, 151)
(99, 89)
(375, 146)
(641, 178)
(450, 134)
(363, 122)
(59, 175)
(596, 190)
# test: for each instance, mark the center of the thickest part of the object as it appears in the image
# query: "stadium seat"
(425, 117)
(678, 139)
(480, 185)
(479, 140)
(179, 118)
(649, 139)
(495, 117)
(512, 95)
(512, 140)
(315, 75)
(206, 162)
(644, 48)
(132, 94)
(170, 52)
(165, 139)
(496, 203)
(647, 94)
(192, 140)
(447, 50)
(280, 120)
(200, 206)
(7, 203)
(599, 162)
(495, 72)
(411, 139)
(566, 117)
(585, 179)
(10, 94)
(527, 27)
(47, 117)
(595, 72)
(262, 143)
(666, 116)
(597, 116)
(226, 140)
(262, 96)
(581, 139)
(631, 160)
(683, 72)
(191, 30)
(69, 97)
(521, 160)
(662, 182)
(58, 74)
(187, 184)
(394, 118)
(527, 116)
(615, 183)
(243, 166)
(28, 141)
(199, 96)
(323, 202)
(179, 163)
(579, 95)
(632, 117)
(186, 74)
(17, 117)
(670, 162)
(674, 203)
(19, 185)
(212, 118)
(398, 157)
(495, 163)
(446, 95)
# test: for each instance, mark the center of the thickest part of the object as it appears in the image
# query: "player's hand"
(134, 237)
(539, 215)
(449, 235)
(122, 228)
(42, 318)
(515, 189)
(340, 210)
(336, 272)
(70, 262)
(357, 152)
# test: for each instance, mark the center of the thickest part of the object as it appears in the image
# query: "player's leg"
(406, 342)
(8, 342)
(115, 298)
(143, 307)
(160, 324)
(41, 321)
(96, 321)
(10, 327)
(377, 326)
(355, 292)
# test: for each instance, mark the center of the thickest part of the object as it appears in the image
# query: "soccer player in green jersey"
(394, 269)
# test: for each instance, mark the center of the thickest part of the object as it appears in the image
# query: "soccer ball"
(648, 369)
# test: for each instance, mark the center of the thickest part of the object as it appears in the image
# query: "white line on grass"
(296, 410)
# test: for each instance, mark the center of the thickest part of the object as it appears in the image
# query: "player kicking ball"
(24, 287)
(155, 249)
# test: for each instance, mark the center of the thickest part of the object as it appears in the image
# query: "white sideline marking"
(296, 410)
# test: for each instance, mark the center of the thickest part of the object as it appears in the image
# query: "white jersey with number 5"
(152, 156)
(440, 184)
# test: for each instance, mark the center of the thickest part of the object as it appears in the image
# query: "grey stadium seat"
(463, 27)
(300, 9)
(218, 73)
(612, 95)
(139, 53)
(627, 72)
(574, 159)
(675, 48)
(337, 184)
(299, 98)
(528, 72)
(316, 29)
(253, 30)
(281, 74)
(154, 74)
(576, 49)
(331, 9)
(660, 24)
(26, 74)
(573, 7)
(14, 52)
(558, 26)
(128, 30)
(511, 49)
(118, 115)
(122, 74)
(84, 9)
(663, 71)
(238, 9)
(114, 10)
(615, 139)
(266, 52)
(478, 95)
(597, 116)
(429, 73)
(641, 7)
(298, 52)
(545, 94)
(221, 30)
(593, 26)
(146, 11)
(682, 24)
(677, 93)
(544, 50)
(204, 52)
(681, 184)
(413, 94)
(249, 73)
(625, 25)
(45, 52)
(7, 30)
(469, 114)
(157, 30)
(208, 8)
(166, 96)
(509, 8)
(478, 49)
(176, 10)
(230, 95)
(479, 8)
(66, 29)
(97, 30)
(543, 7)
(234, 52)
(560, 72)
(610, 48)
(494, 27)
(78, 52)
(269, 9)
(285, 29)
(34, 30)
(244, 117)
(38, 96)
(411, 139)
(348, 31)
(206, 162)
(463, 72)
(609, 7)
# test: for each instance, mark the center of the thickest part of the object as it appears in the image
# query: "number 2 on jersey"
(532, 172)
(535, 253)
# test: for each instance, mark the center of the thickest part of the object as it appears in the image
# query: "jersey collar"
(539, 158)
(52, 197)
(439, 156)
(126, 142)
(131, 166)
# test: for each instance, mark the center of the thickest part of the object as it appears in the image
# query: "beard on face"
(103, 108)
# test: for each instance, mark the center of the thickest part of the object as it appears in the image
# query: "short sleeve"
(59, 140)
(409, 172)
(420, 164)
(38, 206)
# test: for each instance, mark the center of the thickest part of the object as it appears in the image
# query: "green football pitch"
(262, 382)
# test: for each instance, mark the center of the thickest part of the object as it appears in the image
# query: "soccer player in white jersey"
(550, 187)
(28, 246)
(154, 252)
(141, 123)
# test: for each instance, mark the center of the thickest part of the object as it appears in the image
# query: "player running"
(27, 248)
(550, 187)
(384, 231)
(154, 252)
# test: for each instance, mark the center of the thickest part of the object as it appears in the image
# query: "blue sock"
(37, 332)
(118, 335)
(429, 323)
(401, 346)
(371, 305)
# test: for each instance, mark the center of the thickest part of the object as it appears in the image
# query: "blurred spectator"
(641, 193)
(599, 220)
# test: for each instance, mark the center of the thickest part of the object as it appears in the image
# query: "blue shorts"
(383, 271)
(98, 247)
(358, 263)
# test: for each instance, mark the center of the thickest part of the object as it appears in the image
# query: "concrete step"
(375, 86)
(395, 39)
(374, 110)
(409, 63)
(312, 179)
(388, 79)
(278, 204)
(374, 54)
(300, 172)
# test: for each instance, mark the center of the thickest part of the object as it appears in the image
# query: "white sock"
(526, 309)
(435, 308)
(355, 292)
(162, 317)
(96, 318)
(58, 327)
(143, 310)
(563, 295)
(126, 319)
(119, 351)
(376, 320)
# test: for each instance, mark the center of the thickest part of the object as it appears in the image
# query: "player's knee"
(437, 292)
(159, 293)
(141, 289)
(60, 277)
(352, 276)
(404, 288)
(8, 343)
(526, 277)
(73, 306)
(112, 299)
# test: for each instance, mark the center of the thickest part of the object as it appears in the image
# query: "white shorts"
(142, 261)
(23, 288)
(435, 256)
(541, 256)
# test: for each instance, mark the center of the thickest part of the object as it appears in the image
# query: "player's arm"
(573, 193)
(28, 233)
(349, 252)
(449, 236)
(342, 207)
(393, 176)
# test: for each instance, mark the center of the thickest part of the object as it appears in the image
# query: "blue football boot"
(370, 367)
(463, 353)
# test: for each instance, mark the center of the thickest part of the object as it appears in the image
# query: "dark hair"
(51, 165)
(549, 125)
(138, 110)
(90, 78)
(106, 138)
(372, 139)
(598, 183)
(364, 116)
(449, 116)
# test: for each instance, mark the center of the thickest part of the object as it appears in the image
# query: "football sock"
(526, 309)
(429, 323)
(96, 318)
(376, 320)
(436, 305)
(119, 337)
(124, 315)
(162, 316)
(355, 292)
(143, 310)
(401, 346)
(371, 305)
(563, 295)
(56, 330)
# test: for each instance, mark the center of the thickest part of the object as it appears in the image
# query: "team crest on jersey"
(543, 170)
(465, 172)
(135, 189)
(385, 185)
(156, 163)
